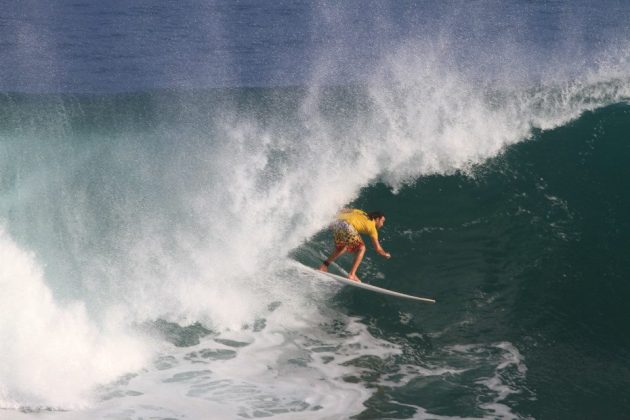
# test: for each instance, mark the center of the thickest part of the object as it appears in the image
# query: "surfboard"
(371, 288)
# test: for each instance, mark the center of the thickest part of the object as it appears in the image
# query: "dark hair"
(373, 215)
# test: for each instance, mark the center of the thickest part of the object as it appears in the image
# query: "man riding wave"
(347, 230)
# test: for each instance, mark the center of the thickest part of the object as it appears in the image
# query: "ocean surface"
(168, 168)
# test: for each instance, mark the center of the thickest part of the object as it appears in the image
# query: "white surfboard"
(376, 289)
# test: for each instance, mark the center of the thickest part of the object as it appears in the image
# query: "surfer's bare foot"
(323, 268)
(354, 278)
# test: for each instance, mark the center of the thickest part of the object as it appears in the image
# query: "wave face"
(150, 224)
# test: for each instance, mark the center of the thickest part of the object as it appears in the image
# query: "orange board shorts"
(345, 235)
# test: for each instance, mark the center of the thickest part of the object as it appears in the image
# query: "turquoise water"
(162, 177)
(525, 252)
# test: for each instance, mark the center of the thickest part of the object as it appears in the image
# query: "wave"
(75, 347)
(183, 205)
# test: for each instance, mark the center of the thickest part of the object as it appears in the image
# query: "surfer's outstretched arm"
(379, 249)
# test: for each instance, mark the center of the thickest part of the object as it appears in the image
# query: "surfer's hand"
(387, 255)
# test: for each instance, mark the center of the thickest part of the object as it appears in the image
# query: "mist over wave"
(182, 205)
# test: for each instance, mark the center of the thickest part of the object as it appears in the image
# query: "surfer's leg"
(339, 250)
(341, 234)
(352, 275)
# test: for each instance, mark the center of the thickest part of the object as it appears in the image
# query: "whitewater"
(150, 231)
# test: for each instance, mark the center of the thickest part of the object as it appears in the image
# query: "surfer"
(346, 232)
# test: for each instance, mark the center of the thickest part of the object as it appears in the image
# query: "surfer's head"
(378, 217)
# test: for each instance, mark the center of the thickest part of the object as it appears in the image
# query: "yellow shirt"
(359, 220)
